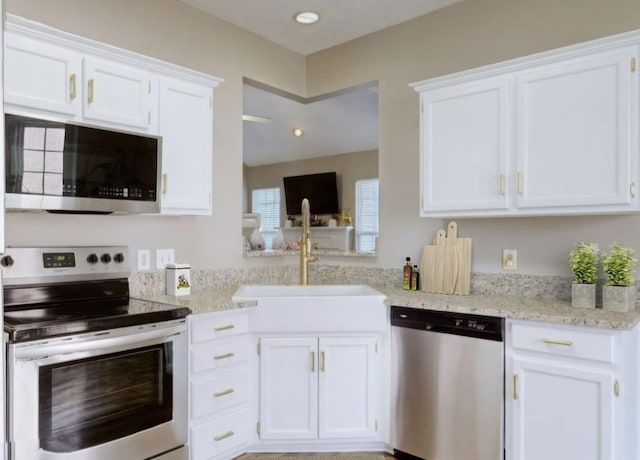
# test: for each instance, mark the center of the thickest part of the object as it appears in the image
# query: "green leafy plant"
(619, 265)
(584, 263)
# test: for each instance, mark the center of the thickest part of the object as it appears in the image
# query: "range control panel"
(40, 264)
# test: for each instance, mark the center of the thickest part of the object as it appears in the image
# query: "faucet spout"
(305, 244)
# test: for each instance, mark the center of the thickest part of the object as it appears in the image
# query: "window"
(366, 214)
(266, 202)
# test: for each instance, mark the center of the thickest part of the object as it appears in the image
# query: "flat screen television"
(320, 189)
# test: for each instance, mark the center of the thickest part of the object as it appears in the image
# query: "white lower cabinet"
(569, 393)
(219, 393)
(318, 388)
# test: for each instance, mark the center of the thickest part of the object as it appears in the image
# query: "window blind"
(266, 202)
(367, 215)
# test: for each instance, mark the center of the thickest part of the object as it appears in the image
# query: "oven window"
(96, 400)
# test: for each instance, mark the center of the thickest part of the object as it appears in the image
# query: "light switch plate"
(509, 259)
(165, 257)
(144, 259)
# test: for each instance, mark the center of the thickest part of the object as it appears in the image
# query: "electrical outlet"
(509, 259)
(144, 259)
(165, 257)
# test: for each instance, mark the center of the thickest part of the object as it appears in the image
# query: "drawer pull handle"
(616, 388)
(313, 361)
(224, 328)
(515, 387)
(226, 435)
(228, 391)
(225, 356)
(502, 185)
(566, 343)
(323, 360)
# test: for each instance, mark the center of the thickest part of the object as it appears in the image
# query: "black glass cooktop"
(37, 312)
(43, 323)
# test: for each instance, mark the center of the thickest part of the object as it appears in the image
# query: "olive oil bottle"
(415, 279)
(407, 270)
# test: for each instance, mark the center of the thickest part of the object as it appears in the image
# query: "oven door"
(107, 395)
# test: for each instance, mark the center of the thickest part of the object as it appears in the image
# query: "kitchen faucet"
(305, 244)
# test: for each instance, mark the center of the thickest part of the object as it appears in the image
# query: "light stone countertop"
(206, 301)
(545, 310)
(552, 311)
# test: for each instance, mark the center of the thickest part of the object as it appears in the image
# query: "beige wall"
(466, 35)
(349, 167)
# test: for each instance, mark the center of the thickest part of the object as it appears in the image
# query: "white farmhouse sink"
(323, 308)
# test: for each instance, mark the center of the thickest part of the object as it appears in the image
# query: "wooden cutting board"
(446, 264)
(463, 254)
(427, 268)
(438, 282)
(450, 266)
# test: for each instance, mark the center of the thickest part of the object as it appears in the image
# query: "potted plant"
(584, 265)
(619, 293)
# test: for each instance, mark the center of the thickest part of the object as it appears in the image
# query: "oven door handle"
(99, 341)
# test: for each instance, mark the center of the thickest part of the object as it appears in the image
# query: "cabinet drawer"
(220, 435)
(217, 393)
(220, 355)
(216, 327)
(596, 345)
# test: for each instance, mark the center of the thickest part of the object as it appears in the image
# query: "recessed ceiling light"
(306, 17)
(298, 132)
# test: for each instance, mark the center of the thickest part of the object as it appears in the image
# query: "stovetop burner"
(60, 291)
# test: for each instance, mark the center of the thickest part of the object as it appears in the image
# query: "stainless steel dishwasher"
(448, 385)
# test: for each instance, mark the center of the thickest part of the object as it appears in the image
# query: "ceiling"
(340, 20)
(344, 123)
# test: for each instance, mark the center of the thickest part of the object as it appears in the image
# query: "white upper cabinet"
(464, 139)
(553, 133)
(117, 93)
(186, 125)
(50, 79)
(41, 75)
(574, 133)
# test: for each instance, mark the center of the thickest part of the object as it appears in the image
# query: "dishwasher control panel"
(482, 327)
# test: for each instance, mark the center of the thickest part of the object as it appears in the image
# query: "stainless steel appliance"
(91, 373)
(448, 385)
(76, 168)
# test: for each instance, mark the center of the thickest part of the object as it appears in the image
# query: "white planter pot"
(583, 295)
(619, 298)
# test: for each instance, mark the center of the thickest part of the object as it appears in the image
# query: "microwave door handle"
(100, 342)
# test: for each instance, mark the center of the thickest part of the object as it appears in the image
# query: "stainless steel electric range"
(91, 373)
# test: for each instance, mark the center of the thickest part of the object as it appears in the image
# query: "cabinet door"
(116, 93)
(288, 388)
(41, 76)
(349, 379)
(464, 147)
(576, 132)
(561, 412)
(186, 126)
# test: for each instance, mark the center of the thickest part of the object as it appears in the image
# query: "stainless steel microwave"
(68, 167)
